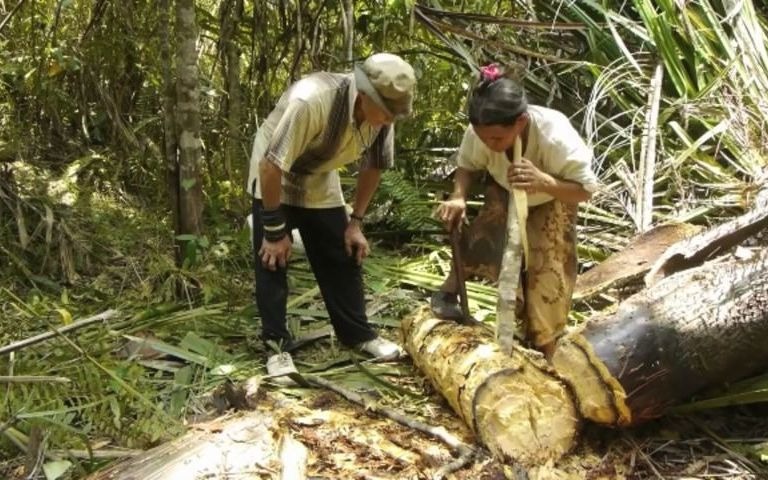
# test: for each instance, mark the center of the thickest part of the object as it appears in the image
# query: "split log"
(715, 241)
(631, 263)
(515, 404)
(293, 459)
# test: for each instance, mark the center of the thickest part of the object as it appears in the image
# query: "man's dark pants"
(338, 275)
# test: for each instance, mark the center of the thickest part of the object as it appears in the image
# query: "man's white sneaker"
(280, 367)
(381, 349)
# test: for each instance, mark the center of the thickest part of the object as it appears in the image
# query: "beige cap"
(389, 81)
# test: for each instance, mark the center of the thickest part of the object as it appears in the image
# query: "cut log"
(711, 243)
(515, 404)
(631, 263)
(698, 328)
(239, 447)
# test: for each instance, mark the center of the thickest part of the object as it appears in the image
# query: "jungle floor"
(185, 364)
(345, 441)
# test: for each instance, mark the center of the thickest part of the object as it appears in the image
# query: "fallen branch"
(65, 329)
(32, 379)
(102, 454)
(456, 465)
(465, 452)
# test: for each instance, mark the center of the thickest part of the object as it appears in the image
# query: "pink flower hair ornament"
(491, 72)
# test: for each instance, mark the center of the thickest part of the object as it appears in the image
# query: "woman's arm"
(528, 177)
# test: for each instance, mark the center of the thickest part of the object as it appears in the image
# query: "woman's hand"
(526, 176)
(452, 212)
(275, 254)
(355, 242)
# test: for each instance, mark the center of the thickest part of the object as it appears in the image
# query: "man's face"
(500, 138)
(373, 113)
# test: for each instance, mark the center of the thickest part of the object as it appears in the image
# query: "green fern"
(401, 205)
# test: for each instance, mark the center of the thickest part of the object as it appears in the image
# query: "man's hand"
(355, 242)
(452, 212)
(526, 176)
(275, 254)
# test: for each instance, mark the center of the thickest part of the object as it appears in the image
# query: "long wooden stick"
(50, 334)
(33, 379)
(644, 191)
(519, 201)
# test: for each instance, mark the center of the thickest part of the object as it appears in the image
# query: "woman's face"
(500, 138)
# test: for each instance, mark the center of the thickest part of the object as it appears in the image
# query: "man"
(321, 123)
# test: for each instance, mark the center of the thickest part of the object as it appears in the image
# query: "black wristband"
(359, 218)
(274, 224)
(275, 236)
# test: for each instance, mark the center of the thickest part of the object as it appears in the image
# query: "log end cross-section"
(515, 404)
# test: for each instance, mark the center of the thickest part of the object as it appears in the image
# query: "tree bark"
(232, 11)
(698, 328)
(629, 265)
(700, 248)
(187, 111)
(170, 144)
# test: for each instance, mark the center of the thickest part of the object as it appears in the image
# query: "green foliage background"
(84, 218)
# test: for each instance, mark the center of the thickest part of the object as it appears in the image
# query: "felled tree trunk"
(695, 329)
(515, 404)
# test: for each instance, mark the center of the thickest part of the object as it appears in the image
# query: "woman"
(554, 172)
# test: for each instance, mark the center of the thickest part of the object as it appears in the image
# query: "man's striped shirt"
(310, 134)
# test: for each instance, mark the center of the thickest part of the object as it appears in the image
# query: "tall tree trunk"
(348, 22)
(189, 179)
(232, 11)
(170, 145)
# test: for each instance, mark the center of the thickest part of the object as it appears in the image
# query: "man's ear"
(522, 120)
